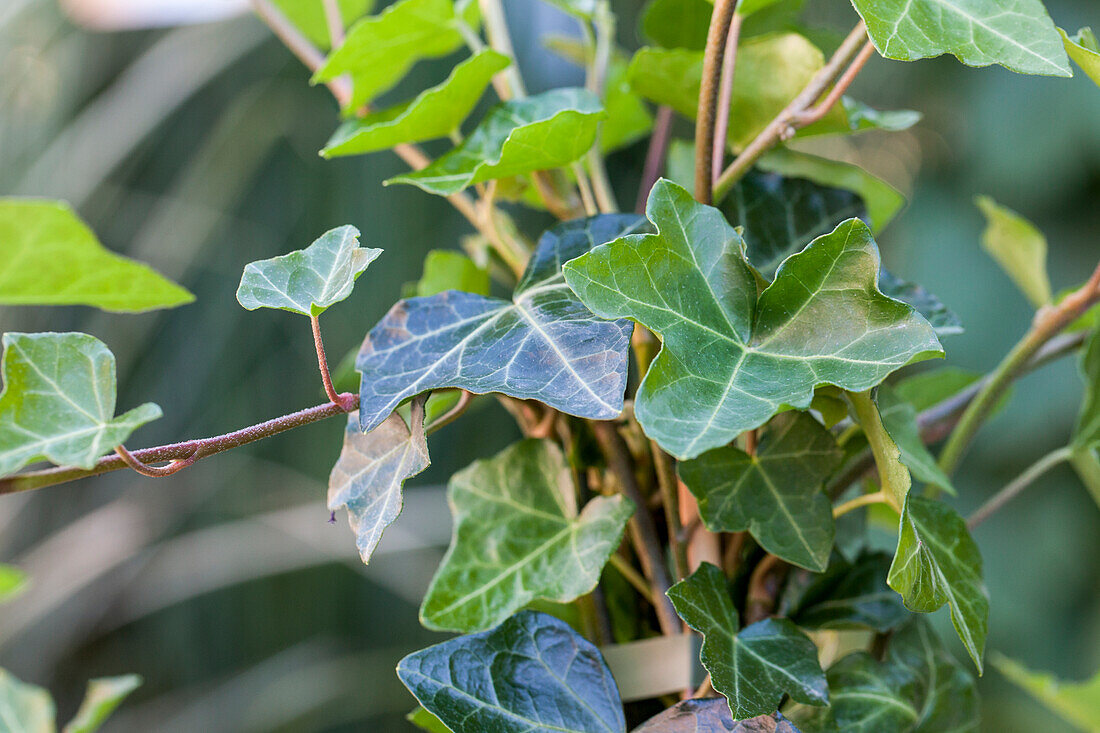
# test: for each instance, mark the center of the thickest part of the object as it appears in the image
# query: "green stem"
(862, 500)
(1017, 485)
(496, 28)
(892, 474)
(596, 81)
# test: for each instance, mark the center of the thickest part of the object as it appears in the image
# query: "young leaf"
(728, 362)
(544, 344)
(12, 582)
(938, 562)
(900, 420)
(25, 708)
(860, 599)
(1077, 703)
(308, 280)
(380, 50)
(518, 537)
(101, 699)
(51, 257)
(1016, 34)
(308, 16)
(776, 494)
(58, 401)
(446, 269)
(753, 668)
(371, 470)
(1084, 50)
(1018, 247)
(436, 112)
(545, 131)
(712, 714)
(531, 674)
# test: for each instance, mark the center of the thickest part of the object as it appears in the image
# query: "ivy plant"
(715, 391)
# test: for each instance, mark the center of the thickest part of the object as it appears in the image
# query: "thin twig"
(862, 500)
(322, 362)
(764, 585)
(496, 28)
(670, 499)
(632, 576)
(709, 89)
(655, 156)
(1016, 486)
(725, 99)
(145, 469)
(335, 22)
(585, 187)
(822, 108)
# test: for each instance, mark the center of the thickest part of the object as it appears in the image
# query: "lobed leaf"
(25, 708)
(51, 257)
(1084, 49)
(1018, 247)
(101, 699)
(712, 715)
(58, 401)
(1077, 703)
(531, 674)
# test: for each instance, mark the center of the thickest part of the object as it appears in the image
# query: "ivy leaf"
(12, 582)
(544, 344)
(728, 361)
(1084, 50)
(308, 16)
(753, 668)
(449, 270)
(1018, 247)
(1016, 34)
(711, 715)
(942, 319)
(307, 281)
(531, 674)
(436, 112)
(535, 133)
(927, 389)
(518, 537)
(371, 470)
(677, 23)
(101, 699)
(1077, 703)
(379, 50)
(938, 562)
(51, 257)
(58, 401)
(776, 494)
(860, 599)
(25, 708)
(861, 117)
(424, 720)
(900, 420)
(1086, 434)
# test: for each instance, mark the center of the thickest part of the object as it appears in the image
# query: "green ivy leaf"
(307, 281)
(25, 708)
(857, 597)
(677, 23)
(12, 582)
(371, 470)
(518, 537)
(1084, 50)
(1016, 34)
(555, 349)
(777, 494)
(900, 420)
(58, 401)
(446, 269)
(730, 361)
(1018, 247)
(1086, 433)
(51, 257)
(535, 133)
(942, 318)
(710, 715)
(938, 562)
(436, 112)
(755, 667)
(531, 674)
(379, 50)
(309, 16)
(101, 699)
(1077, 703)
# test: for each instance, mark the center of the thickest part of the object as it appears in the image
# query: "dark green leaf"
(531, 674)
(728, 362)
(58, 401)
(543, 345)
(712, 715)
(12, 582)
(1018, 247)
(856, 598)
(943, 320)
(25, 708)
(1075, 702)
(776, 494)
(937, 562)
(545, 131)
(753, 668)
(900, 420)
(101, 699)
(518, 537)
(1084, 50)
(449, 270)
(51, 257)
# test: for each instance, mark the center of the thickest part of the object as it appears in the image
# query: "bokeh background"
(195, 149)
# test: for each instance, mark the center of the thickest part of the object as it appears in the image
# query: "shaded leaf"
(449, 270)
(25, 708)
(309, 280)
(12, 581)
(856, 597)
(1016, 34)
(1077, 703)
(712, 715)
(900, 420)
(543, 345)
(753, 668)
(776, 494)
(436, 112)
(728, 361)
(518, 537)
(535, 133)
(942, 319)
(1084, 50)
(309, 16)
(531, 674)
(937, 562)
(1018, 247)
(927, 389)
(51, 257)
(58, 401)
(101, 699)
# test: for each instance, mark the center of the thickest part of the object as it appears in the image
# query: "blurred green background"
(194, 149)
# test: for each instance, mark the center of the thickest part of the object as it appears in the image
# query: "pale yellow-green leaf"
(1018, 247)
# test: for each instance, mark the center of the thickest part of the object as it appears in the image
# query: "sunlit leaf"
(1017, 34)
(309, 16)
(518, 537)
(101, 699)
(1077, 703)
(753, 668)
(1018, 247)
(424, 720)
(857, 597)
(58, 401)
(535, 133)
(308, 280)
(712, 715)
(1084, 49)
(12, 582)
(728, 362)
(543, 345)
(776, 494)
(937, 562)
(51, 257)
(531, 674)
(25, 708)
(436, 112)
(449, 270)
(900, 420)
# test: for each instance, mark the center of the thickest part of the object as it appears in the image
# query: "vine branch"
(1016, 486)
(709, 92)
